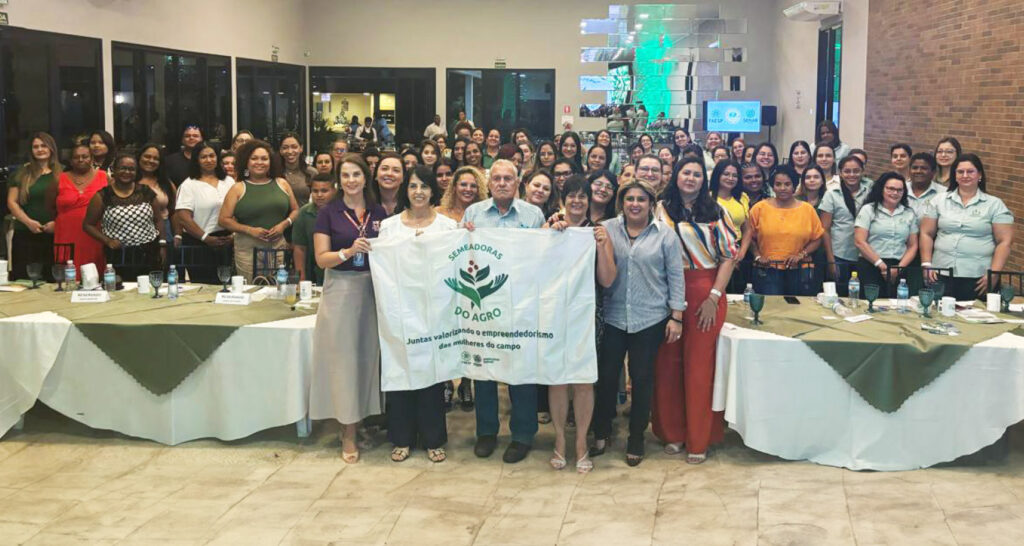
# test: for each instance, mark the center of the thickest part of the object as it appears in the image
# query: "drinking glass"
(756, 304)
(1006, 293)
(57, 270)
(939, 288)
(156, 278)
(224, 274)
(927, 296)
(35, 272)
(871, 294)
(290, 297)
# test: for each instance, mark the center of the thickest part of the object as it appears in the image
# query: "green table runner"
(159, 342)
(885, 359)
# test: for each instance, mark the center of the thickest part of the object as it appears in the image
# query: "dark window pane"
(504, 99)
(270, 99)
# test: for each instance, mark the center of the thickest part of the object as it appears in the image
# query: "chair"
(266, 262)
(915, 275)
(1013, 278)
(201, 261)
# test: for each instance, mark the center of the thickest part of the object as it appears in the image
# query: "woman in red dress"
(69, 199)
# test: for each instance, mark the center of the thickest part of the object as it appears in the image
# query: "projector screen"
(733, 116)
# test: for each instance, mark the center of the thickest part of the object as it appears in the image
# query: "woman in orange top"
(785, 232)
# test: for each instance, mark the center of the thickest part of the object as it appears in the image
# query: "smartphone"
(792, 299)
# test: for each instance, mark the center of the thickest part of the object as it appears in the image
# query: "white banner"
(509, 305)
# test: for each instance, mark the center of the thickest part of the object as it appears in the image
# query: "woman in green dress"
(26, 198)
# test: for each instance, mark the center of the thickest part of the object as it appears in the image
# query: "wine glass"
(927, 296)
(35, 272)
(156, 278)
(224, 274)
(57, 270)
(939, 288)
(871, 294)
(1006, 293)
(756, 304)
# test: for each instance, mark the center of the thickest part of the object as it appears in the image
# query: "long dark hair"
(716, 179)
(973, 160)
(194, 171)
(426, 175)
(609, 208)
(835, 132)
(246, 150)
(705, 209)
(824, 180)
(607, 156)
(775, 157)
(877, 193)
(554, 198)
(554, 150)
(579, 148)
(810, 154)
(374, 185)
(108, 140)
(162, 179)
(851, 203)
(358, 161)
(676, 150)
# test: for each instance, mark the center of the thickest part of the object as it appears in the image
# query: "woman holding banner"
(643, 305)
(346, 350)
(577, 214)
(417, 414)
(684, 371)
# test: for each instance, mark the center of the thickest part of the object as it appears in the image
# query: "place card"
(90, 296)
(230, 298)
(858, 318)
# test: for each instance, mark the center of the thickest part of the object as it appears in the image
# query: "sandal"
(674, 448)
(634, 450)
(437, 455)
(696, 458)
(399, 454)
(349, 457)
(584, 464)
(557, 461)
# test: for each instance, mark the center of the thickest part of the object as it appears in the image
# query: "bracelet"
(163, 242)
(674, 319)
(177, 237)
(926, 264)
(879, 262)
(203, 238)
(289, 219)
(716, 292)
(341, 254)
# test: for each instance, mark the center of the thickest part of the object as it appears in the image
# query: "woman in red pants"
(684, 371)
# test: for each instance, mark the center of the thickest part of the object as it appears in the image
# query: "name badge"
(90, 296)
(231, 298)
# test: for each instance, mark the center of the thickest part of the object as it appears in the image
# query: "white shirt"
(394, 227)
(204, 201)
(433, 130)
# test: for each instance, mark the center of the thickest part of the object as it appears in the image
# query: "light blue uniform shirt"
(887, 231)
(842, 221)
(964, 239)
(649, 283)
(920, 204)
(520, 214)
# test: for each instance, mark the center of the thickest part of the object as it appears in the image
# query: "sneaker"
(543, 417)
(485, 446)
(515, 452)
(466, 394)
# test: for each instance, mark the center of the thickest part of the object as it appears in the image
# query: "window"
(48, 82)
(504, 99)
(830, 60)
(157, 93)
(270, 99)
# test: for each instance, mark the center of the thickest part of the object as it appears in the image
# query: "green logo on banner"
(474, 284)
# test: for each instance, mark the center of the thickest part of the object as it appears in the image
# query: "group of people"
(675, 229)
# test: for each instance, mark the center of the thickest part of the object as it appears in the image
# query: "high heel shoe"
(584, 464)
(347, 456)
(557, 461)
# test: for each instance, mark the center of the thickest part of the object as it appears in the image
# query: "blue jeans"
(784, 282)
(524, 410)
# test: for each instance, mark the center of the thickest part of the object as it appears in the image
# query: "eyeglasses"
(602, 186)
(563, 174)
(894, 190)
(648, 169)
(126, 169)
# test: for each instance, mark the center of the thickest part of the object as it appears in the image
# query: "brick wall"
(951, 67)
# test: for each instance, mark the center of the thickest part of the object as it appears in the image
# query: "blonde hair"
(30, 172)
(621, 196)
(448, 199)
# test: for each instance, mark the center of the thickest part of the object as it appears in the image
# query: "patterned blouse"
(129, 219)
(704, 245)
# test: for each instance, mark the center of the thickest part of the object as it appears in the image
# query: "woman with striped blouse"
(684, 370)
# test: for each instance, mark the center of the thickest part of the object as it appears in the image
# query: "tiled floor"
(61, 483)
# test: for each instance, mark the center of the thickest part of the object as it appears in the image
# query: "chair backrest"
(996, 279)
(266, 261)
(131, 256)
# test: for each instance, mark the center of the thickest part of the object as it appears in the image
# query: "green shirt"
(842, 221)
(35, 207)
(887, 231)
(263, 205)
(302, 235)
(964, 239)
(920, 204)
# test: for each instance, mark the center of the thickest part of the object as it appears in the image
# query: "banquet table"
(882, 394)
(162, 369)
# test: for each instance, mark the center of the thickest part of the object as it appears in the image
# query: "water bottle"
(854, 288)
(109, 279)
(746, 295)
(172, 283)
(902, 296)
(841, 310)
(282, 279)
(69, 274)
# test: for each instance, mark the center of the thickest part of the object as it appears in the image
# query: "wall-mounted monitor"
(733, 116)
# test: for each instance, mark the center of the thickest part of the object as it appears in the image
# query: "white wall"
(238, 28)
(796, 78)
(853, 88)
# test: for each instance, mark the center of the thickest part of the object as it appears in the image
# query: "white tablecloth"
(784, 400)
(257, 379)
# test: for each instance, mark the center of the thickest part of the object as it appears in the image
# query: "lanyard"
(359, 226)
